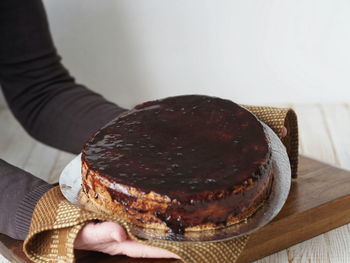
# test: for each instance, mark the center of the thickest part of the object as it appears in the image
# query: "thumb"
(102, 232)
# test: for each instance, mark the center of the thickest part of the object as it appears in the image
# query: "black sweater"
(45, 99)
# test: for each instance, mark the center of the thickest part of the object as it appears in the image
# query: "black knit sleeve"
(19, 193)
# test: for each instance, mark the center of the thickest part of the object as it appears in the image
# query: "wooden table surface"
(324, 135)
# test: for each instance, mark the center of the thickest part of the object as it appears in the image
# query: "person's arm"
(45, 99)
(41, 93)
(19, 192)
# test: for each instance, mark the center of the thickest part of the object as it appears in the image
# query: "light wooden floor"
(324, 135)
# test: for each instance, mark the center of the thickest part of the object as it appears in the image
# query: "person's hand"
(110, 238)
(284, 132)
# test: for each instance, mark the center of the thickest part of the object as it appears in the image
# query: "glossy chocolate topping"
(181, 147)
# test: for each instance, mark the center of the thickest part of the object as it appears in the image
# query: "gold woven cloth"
(56, 222)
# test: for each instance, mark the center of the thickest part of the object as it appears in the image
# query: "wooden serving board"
(318, 202)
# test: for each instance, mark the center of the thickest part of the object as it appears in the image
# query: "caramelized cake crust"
(183, 163)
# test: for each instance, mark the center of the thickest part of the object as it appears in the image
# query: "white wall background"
(249, 51)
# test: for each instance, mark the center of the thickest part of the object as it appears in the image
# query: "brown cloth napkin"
(56, 223)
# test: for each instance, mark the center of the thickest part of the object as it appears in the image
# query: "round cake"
(183, 163)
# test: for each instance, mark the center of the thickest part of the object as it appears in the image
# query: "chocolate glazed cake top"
(181, 147)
